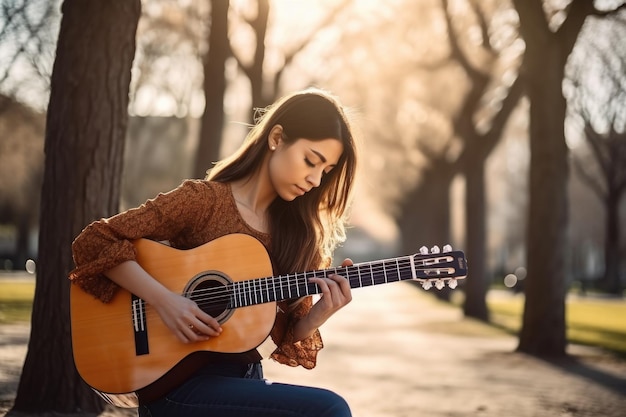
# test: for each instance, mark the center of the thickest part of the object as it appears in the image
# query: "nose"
(314, 178)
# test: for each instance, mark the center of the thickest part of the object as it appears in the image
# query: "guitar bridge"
(140, 327)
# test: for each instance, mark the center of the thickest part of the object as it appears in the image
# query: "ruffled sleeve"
(296, 353)
(288, 351)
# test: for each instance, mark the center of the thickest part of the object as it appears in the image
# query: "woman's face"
(295, 168)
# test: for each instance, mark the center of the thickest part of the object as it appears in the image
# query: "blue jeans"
(240, 391)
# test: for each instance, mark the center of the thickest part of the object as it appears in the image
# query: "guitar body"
(113, 357)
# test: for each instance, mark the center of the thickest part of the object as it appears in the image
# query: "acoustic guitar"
(122, 346)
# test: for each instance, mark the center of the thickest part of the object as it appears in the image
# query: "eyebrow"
(319, 155)
(322, 157)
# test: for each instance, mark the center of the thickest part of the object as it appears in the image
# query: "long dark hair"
(304, 231)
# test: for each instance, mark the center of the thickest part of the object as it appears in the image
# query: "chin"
(288, 197)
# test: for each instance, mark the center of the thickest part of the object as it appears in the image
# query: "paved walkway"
(395, 352)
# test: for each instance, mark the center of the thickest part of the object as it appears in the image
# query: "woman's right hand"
(185, 319)
(180, 314)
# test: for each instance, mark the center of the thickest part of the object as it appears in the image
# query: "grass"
(16, 301)
(590, 321)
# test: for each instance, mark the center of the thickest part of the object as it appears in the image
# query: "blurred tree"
(214, 63)
(609, 153)
(86, 122)
(167, 71)
(597, 95)
(28, 32)
(393, 65)
(549, 33)
(448, 103)
(252, 17)
(21, 166)
(253, 68)
(27, 40)
(489, 60)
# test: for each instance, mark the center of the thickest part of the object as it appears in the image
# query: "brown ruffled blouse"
(189, 216)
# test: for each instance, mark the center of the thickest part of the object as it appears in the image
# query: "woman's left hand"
(335, 294)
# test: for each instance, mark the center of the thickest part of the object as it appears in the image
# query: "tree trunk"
(475, 208)
(85, 132)
(210, 140)
(22, 251)
(543, 327)
(255, 73)
(543, 330)
(425, 216)
(612, 245)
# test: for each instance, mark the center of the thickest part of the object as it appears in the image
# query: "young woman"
(289, 186)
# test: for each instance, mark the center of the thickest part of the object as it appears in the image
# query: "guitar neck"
(283, 287)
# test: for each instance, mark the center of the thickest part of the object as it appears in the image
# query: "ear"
(275, 138)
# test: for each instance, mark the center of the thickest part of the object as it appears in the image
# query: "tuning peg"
(435, 249)
(439, 284)
(427, 285)
(447, 248)
(453, 283)
(424, 250)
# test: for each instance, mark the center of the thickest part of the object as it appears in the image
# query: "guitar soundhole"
(211, 291)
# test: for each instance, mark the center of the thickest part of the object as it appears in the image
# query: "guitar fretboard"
(283, 287)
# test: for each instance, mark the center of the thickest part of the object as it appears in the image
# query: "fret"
(311, 287)
(299, 284)
(274, 288)
(385, 271)
(391, 274)
(296, 285)
(263, 289)
(306, 284)
(234, 294)
(289, 287)
(412, 262)
(249, 293)
(358, 268)
(398, 269)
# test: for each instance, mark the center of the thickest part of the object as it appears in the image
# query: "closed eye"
(309, 163)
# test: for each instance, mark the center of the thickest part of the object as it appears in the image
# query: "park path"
(395, 352)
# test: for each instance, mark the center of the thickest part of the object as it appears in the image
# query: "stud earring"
(273, 147)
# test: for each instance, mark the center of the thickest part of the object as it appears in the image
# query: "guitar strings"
(256, 288)
(253, 290)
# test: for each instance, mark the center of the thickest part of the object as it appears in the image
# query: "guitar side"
(103, 335)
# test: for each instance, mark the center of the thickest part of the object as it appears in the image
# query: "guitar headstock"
(438, 267)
